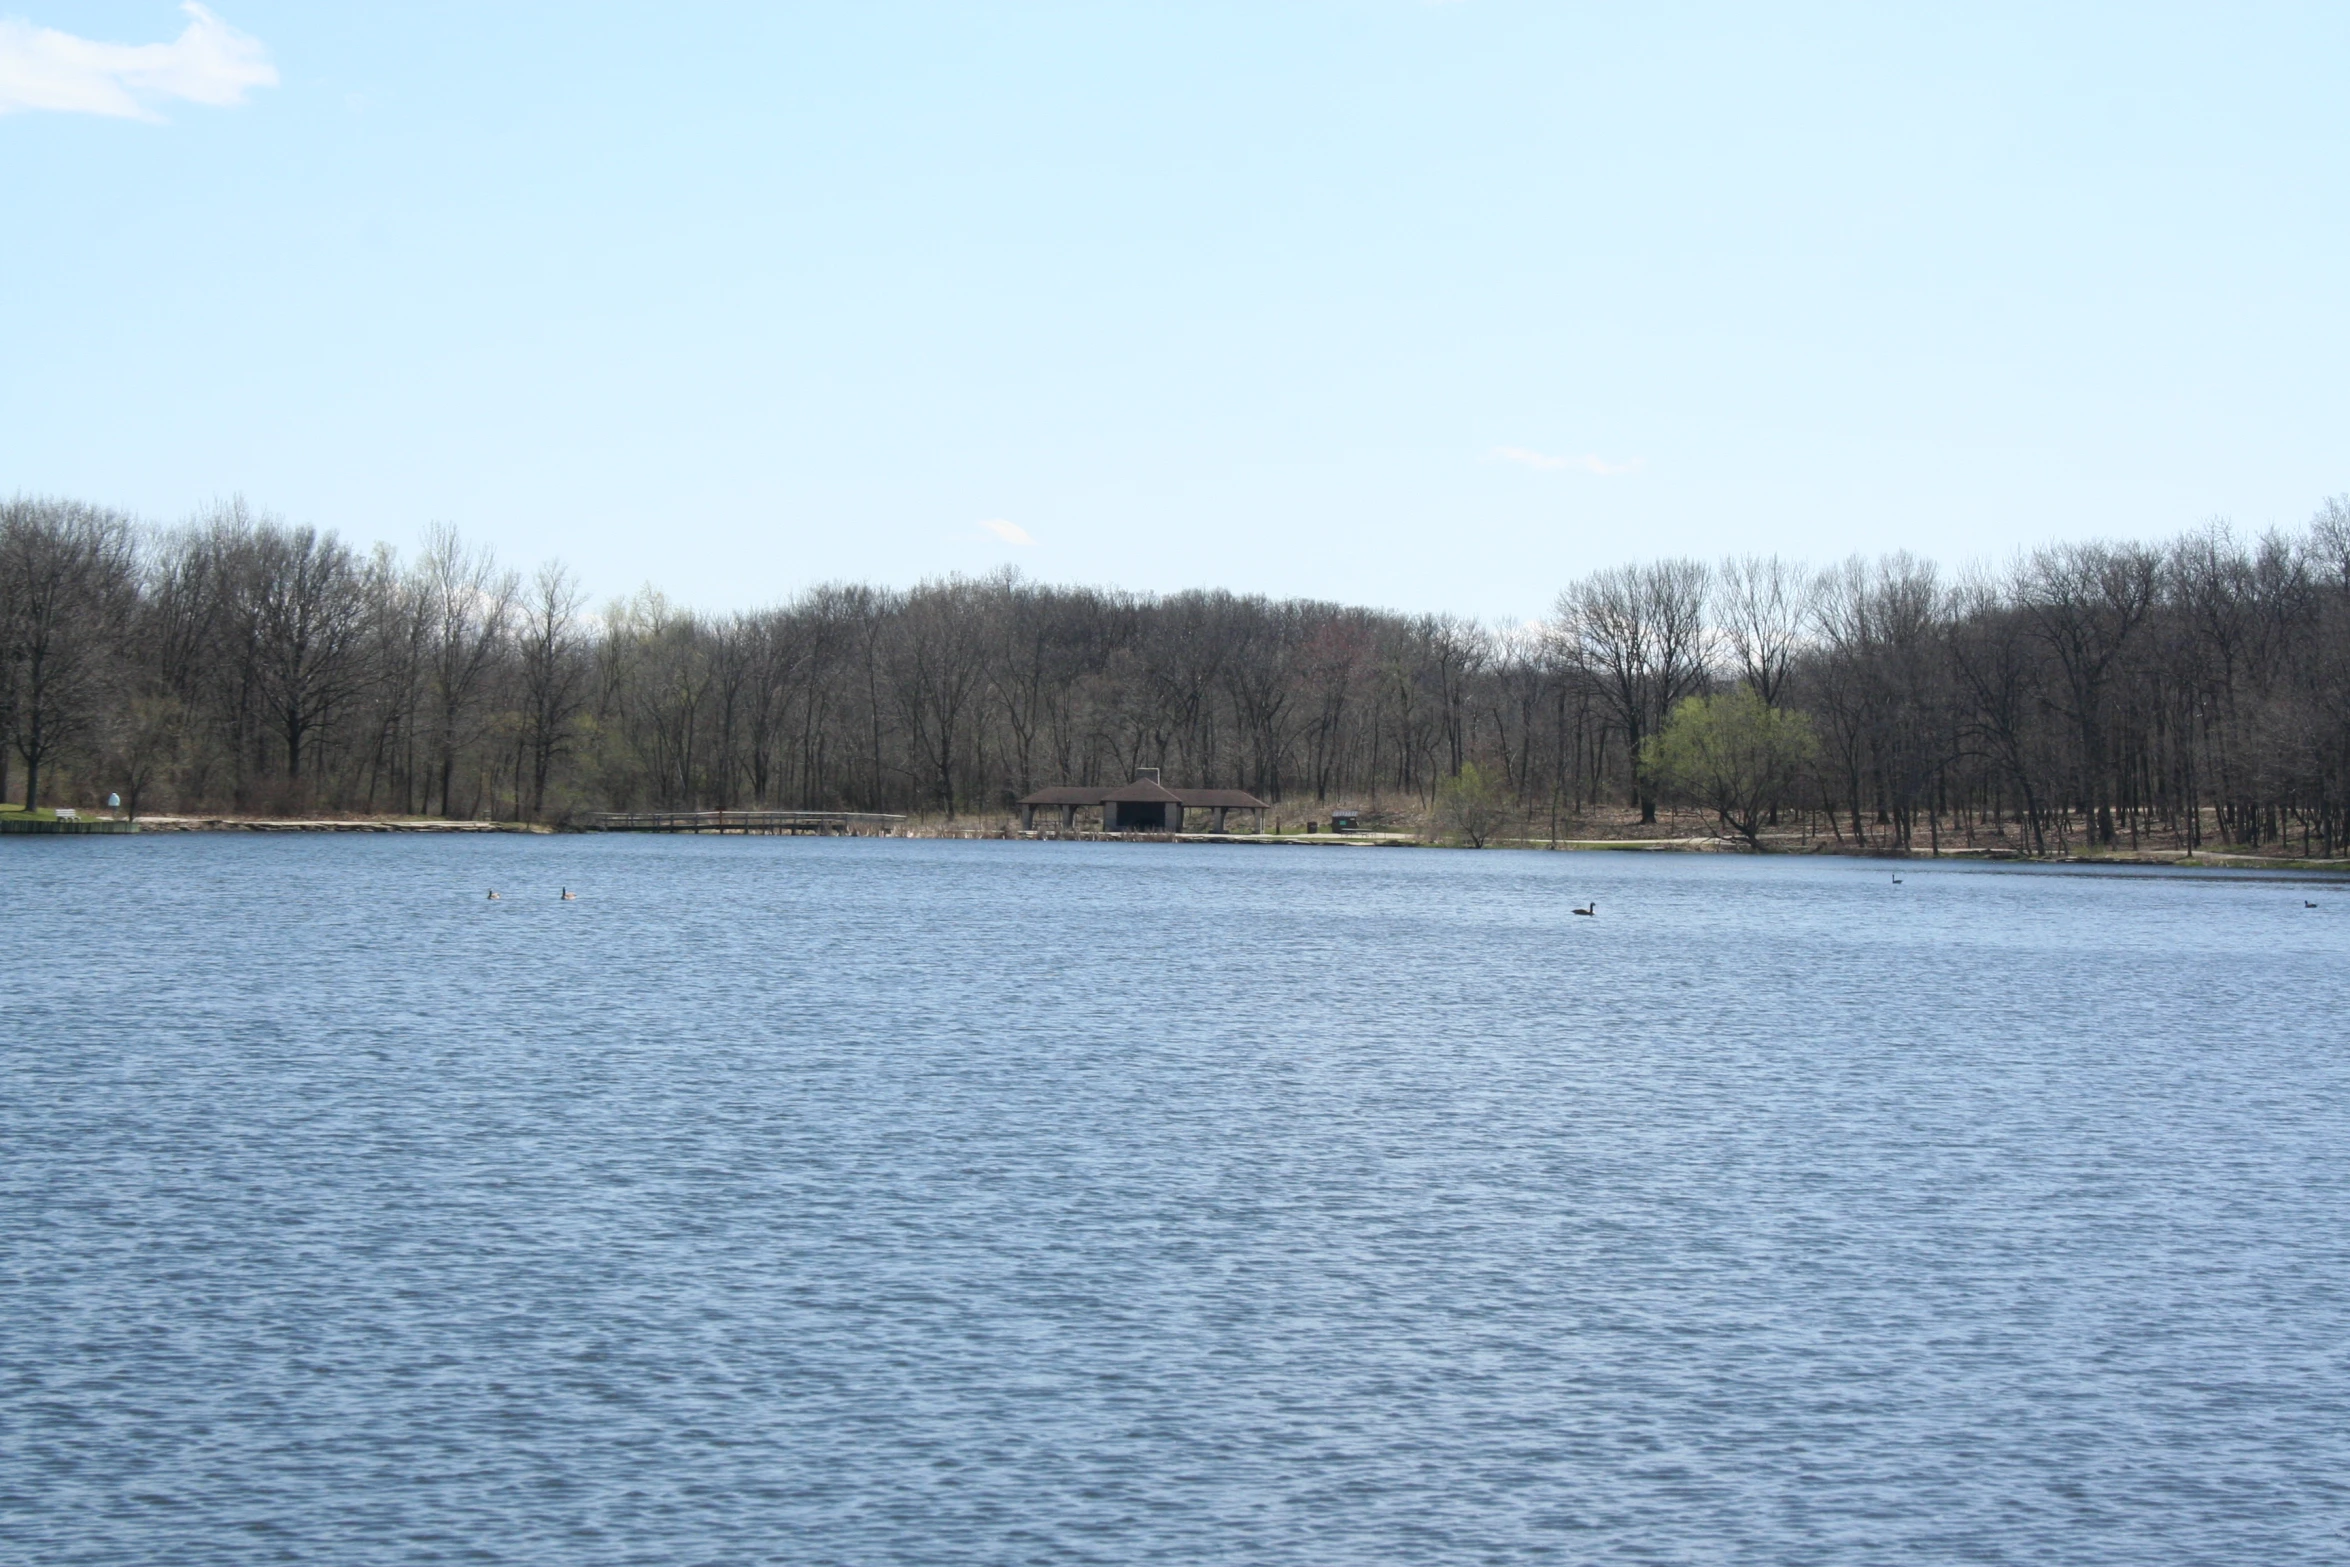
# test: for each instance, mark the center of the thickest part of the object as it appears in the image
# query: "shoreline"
(414, 824)
(2206, 859)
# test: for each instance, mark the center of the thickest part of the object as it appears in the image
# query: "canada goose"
(569, 896)
(493, 894)
(1897, 878)
(1591, 908)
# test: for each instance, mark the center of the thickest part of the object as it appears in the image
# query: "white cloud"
(1009, 532)
(1582, 464)
(209, 62)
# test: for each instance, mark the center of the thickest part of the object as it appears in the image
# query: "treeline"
(2091, 693)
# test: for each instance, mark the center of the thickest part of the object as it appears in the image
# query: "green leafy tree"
(1733, 754)
(1471, 806)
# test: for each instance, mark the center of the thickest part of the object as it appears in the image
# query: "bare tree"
(467, 601)
(313, 624)
(554, 673)
(2087, 602)
(2329, 542)
(1763, 606)
(1638, 633)
(1260, 680)
(1997, 667)
(934, 674)
(65, 594)
(398, 632)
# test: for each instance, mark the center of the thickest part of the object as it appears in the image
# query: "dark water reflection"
(940, 1203)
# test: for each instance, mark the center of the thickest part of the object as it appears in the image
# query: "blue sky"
(1430, 306)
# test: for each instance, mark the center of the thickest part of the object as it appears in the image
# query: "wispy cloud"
(1582, 464)
(1009, 532)
(209, 62)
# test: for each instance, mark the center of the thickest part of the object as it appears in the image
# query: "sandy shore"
(326, 824)
(1678, 844)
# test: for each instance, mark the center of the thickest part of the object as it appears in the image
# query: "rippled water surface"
(919, 1202)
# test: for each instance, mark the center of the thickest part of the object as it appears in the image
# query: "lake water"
(925, 1202)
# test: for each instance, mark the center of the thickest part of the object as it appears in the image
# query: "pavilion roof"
(1209, 799)
(1144, 791)
(1065, 794)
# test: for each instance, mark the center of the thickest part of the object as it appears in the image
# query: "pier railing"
(819, 823)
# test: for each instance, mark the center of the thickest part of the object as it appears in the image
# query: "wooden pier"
(822, 824)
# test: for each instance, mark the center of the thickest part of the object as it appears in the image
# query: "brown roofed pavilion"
(1145, 805)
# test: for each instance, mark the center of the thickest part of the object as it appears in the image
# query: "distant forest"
(2085, 694)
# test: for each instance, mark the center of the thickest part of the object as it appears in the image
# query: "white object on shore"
(66, 813)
